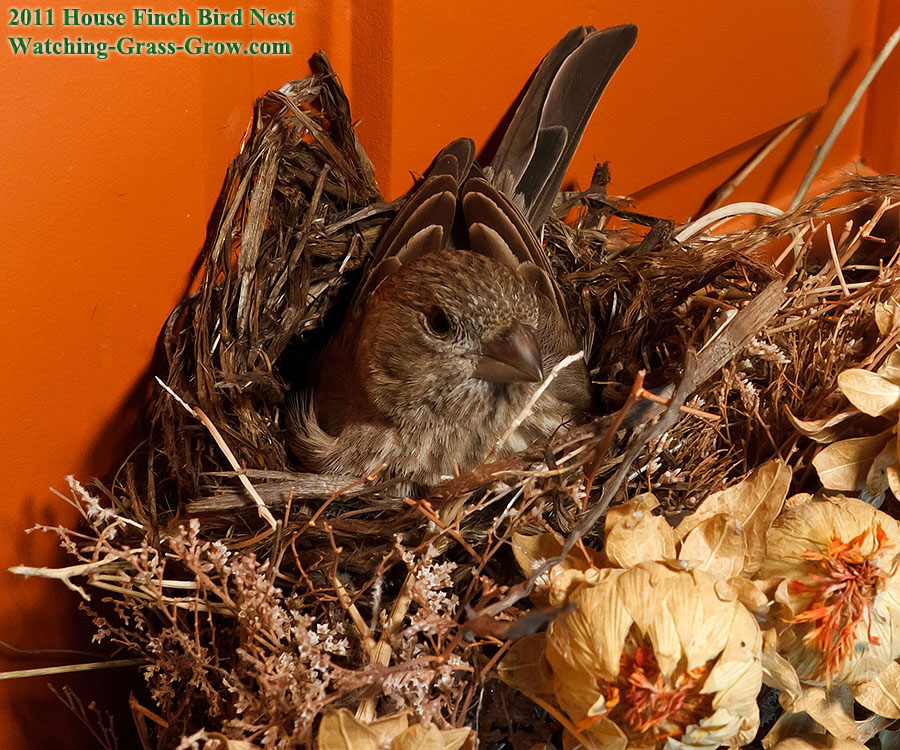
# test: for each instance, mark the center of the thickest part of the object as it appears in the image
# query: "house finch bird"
(458, 319)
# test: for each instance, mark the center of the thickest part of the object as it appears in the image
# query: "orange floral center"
(645, 703)
(841, 590)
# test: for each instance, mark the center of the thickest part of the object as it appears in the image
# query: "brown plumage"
(458, 319)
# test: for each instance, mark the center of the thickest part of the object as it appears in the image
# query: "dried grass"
(358, 597)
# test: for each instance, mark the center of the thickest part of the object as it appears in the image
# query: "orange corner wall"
(110, 169)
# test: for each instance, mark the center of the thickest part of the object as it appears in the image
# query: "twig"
(522, 415)
(383, 651)
(727, 212)
(65, 574)
(223, 446)
(729, 187)
(362, 630)
(837, 262)
(17, 674)
(650, 396)
(822, 151)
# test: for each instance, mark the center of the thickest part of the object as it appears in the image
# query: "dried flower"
(833, 565)
(341, 730)
(650, 654)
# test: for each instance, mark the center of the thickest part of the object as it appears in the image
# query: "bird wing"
(531, 162)
(536, 149)
(424, 223)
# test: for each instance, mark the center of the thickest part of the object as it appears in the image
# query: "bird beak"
(512, 356)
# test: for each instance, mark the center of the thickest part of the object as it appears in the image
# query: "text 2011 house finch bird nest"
(632, 578)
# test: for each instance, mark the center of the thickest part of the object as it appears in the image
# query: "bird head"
(450, 331)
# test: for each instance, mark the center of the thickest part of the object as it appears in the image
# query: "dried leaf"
(229, 744)
(523, 667)
(421, 737)
(795, 501)
(388, 727)
(885, 315)
(634, 535)
(789, 725)
(754, 502)
(821, 430)
(831, 709)
(341, 731)
(869, 392)
(876, 480)
(532, 551)
(818, 742)
(716, 545)
(845, 465)
(892, 473)
(778, 672)
(881, 694)
(890, 368)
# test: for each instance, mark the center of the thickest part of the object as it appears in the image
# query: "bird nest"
(260, 598)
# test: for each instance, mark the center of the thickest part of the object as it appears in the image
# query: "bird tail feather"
(539, 144)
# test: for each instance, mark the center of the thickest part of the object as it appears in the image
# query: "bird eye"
(437, 321)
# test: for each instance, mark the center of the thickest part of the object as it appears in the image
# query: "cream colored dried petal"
(595, 635)
(844, 466)
(885, 315)
(818, 742)
(734, 683)
(778, 672)
(552, 588)
(604, 735)
(790, 725)
(388, 727)
(890, 368)
(892, 473)
(634, 534)
(716, 545)
(663, 623)
(751, 596)
(533, 550)
(815, 522)
(702, 621)
(710, 731)
(755, 502)
(645, 502)
(229, 744)
(563, 582)
(634, 591)
(882, 693)
(341, 731)
(825, 430)
(421, 737)
(795, 501)
(876, 479)
(832, 709)
(524, 667)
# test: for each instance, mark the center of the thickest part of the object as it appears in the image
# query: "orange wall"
(110, 169)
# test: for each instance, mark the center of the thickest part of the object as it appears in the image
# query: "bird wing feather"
(548, 124)
(425, 221)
